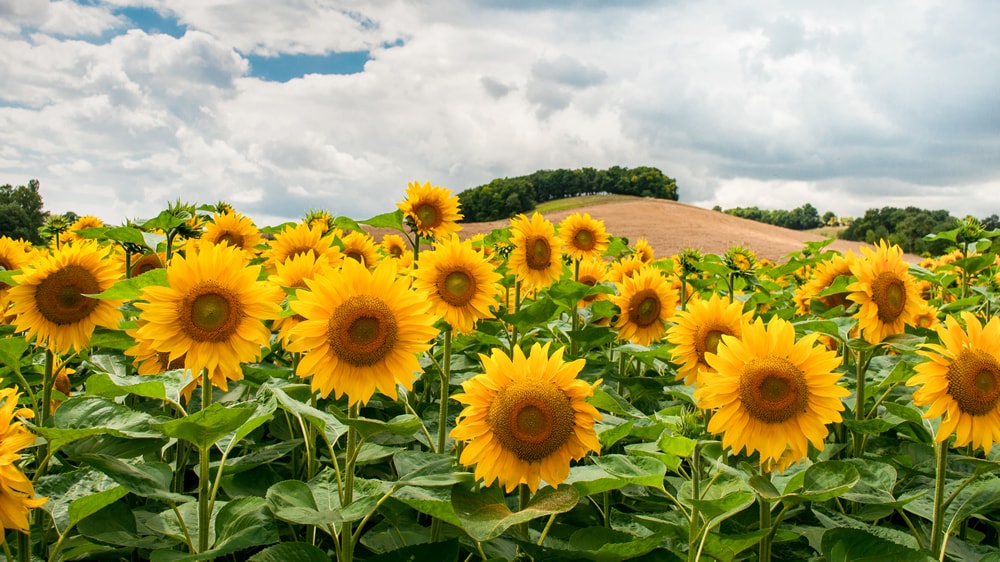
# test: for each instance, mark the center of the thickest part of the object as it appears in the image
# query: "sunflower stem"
(23, 546)
(442, 441)
(764, 547)
(523, 497)
(859, 401)
(204, 479)
(694, 525)
(347, 493)
(575, 314)
(941, 456)
(517, 306)
(545, 531)
(47, 383)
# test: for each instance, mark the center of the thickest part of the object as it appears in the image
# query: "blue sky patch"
(283, 68)
(152, 22)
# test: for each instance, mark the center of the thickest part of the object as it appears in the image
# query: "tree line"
(503, 198)
(21, 213)
(803, 218)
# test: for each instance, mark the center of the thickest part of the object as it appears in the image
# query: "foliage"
(503, 198)
(803, 218)
(904, 227)
(21, 213)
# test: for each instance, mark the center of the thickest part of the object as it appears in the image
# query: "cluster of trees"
(802, 218)
(905, 227)
(21, 213)
(503, 198)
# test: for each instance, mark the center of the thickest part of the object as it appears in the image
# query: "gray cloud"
(568, 71)
(495, 88)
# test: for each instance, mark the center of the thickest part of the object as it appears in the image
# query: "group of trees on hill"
(503, 198)
(803, 218)
(905, 227)
(21, 213)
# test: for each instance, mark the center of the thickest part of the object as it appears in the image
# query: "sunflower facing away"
(525, 419)
(646, 301)
(361, 331)
(50, 299)
(432, 211)
(699, 330)
(821, 279)
(961, 381)
(772, 394)
(212, 312)
(460, 283)
(583, 237)
(17, 494)
(536, 259)
(234, 229)
(887, 293)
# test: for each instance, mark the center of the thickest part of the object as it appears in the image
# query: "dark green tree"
(21, 212)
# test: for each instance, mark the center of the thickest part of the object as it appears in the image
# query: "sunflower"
(536, 259)
(772, 394)
(212, 312)
(360, 247)
(72, 233)
(299, 239)
(16, 491)
(51, 302)
(699, 330)
(583, 237)
(646, 301)
(644, 251)
(432, 212)
(886, 291)
(592, 272)
(318, 218)
(292, 274)
(825, 273)
(926, 317)
(625, 267)
(148, 262)
(361, 331)
(740, 261)
(234, 229)
(460, 283)
(526, 419)
(14, 255)
(393, 246)
(961, 381)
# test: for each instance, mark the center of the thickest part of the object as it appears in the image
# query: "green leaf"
(240, 524)
(534, 313)
(442, 551)
(435, 502)
(289, 551)
(261, 415)
(318, 501)
(82, 508)
(856, 545)
(205, 427)
(616, 472)
(403, 425)
(146, 479)
(114, 386)
(827, 480)
(386, 220)
(11, 351)
(66, 487)
(85, 416)
(325, 422)
(719, 509)
(876, 484)
(978, 498)
(610, 433)
(677, 445)
(7, 276)
(420, 468)
(116, 525)
(346, 223)
(607, 545)
(610, 401)
(484, 515)
(131, 288)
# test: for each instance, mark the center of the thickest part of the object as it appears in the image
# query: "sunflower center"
(709, 341)
(889, 295)
(531, 418)
(396, 251)
(148, 262)
(428, 215)
(210, 313)
(539, 253)
(457, 287)
(355, 255)
(60, 297)
(233, 239)
(974, 382)
(644, 308)
(773, 390)
(362, 330)
(584, 240)
(590, 282)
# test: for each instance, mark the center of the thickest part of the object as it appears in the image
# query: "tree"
(21, 212)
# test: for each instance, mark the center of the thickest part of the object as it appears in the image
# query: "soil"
(671, 227)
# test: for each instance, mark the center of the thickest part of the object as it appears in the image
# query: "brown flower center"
(773, 390)
(356, 255)
(428, 215)
(644, 308)
(234, 239)
(60, 297)
(584, 240)
(538, 253)
(974, 382)
(457, 287)
(210, 313)
(889, 295)
(707, 340)
(531, 418)
(362, 330)
(146, 263)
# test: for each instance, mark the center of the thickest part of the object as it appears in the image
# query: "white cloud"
(774, 104)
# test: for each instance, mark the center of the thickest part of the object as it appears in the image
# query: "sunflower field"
(196, 387)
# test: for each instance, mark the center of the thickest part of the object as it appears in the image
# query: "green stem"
(445, 387)
(694, 524)
(47, 383)
(23, 547)
(859, 402)
(523, 497)
(204, 478)
(347, 492)
(765, 524)
(545, 531)
(575, 314)
(517, 306)
(937, 525)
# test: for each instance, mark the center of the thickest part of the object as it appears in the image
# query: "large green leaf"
(11, 351)
(613, 472)
(84, 416)
(435, 502)
(420, 468)
(978, 498)
(116, 525)
(262, 413)
(386, 220)
(484, 515)
(205, 427)
(856, 545)
(332, 427)
(443, 551)
(240, 524)
(146, 479)
(290, 551)
(823, 481)
(317, 502)
(64, 488)
(599, 544)
(131, 288)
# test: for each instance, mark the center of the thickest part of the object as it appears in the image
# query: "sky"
(120, 107)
